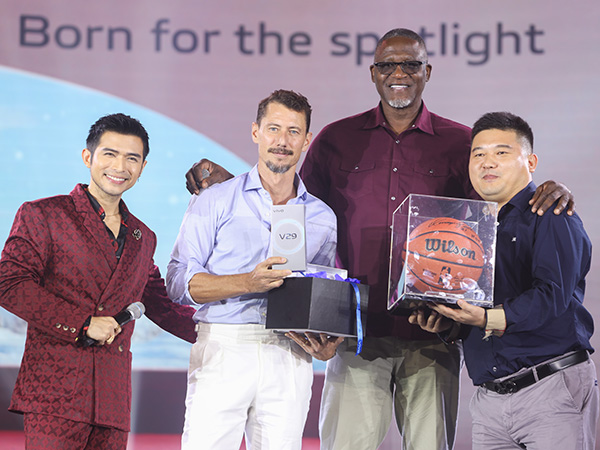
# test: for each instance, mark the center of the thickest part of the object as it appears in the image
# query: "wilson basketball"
(444, 255)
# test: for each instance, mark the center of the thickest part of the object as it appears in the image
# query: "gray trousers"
(420, 379)
(558, 412)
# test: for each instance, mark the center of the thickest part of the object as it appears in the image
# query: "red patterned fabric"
(45, 432)
(58, 267)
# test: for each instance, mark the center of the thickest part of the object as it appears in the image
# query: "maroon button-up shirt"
(363, 170)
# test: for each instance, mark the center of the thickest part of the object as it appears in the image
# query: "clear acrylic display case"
(442, 250)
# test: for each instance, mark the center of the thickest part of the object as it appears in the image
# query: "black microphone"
(132, 312)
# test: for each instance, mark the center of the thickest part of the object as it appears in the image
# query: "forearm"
(21, 294)
(30, 285)
(560, 260)
(171, 317)
(206, 287)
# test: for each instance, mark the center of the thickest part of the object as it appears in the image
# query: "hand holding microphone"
(103, 329)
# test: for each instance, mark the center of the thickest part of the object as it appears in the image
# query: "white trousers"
(244, 379)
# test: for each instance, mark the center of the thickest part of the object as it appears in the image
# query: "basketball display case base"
(407, 304)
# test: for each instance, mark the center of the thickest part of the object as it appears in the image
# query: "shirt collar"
(253, 183)
(100, 210)
(422, 122)
(520, 200)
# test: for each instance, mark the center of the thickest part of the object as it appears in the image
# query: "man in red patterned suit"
(70, 263)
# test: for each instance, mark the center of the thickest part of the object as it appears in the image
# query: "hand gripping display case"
(442, 250)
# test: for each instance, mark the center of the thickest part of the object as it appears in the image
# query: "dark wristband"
(449, 337)
(83, 339)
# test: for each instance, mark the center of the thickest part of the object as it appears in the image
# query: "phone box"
(318, 305)
(288, 237)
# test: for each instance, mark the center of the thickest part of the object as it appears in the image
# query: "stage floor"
(14, 440)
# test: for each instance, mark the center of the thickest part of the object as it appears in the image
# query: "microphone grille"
(136, 309)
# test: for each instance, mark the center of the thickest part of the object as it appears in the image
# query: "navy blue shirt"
(541, 264)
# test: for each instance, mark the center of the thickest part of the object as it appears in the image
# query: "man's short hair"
(504, 121)
(117, 123)
(402, 32)
(290, 99)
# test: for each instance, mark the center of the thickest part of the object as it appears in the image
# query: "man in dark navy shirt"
(530, 353)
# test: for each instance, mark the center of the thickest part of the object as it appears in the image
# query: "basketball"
(444, 255)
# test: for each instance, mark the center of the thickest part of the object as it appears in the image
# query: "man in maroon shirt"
(363, 167)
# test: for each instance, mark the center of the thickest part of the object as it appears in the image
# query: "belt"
(535, 374)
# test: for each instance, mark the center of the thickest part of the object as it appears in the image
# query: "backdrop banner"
(194, 72)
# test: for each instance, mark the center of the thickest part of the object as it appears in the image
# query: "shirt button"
(397, 141)
(356, 168)
(120, 348)
(393, 198)
(395, 169)
(495, 369)
(100, 307)
(431, 171)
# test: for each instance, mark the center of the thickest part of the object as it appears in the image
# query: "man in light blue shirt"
(242, 377)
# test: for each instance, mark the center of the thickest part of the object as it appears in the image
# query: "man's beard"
(400, 104)
(281, 168)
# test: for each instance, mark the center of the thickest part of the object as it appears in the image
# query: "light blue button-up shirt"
(226, 230)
